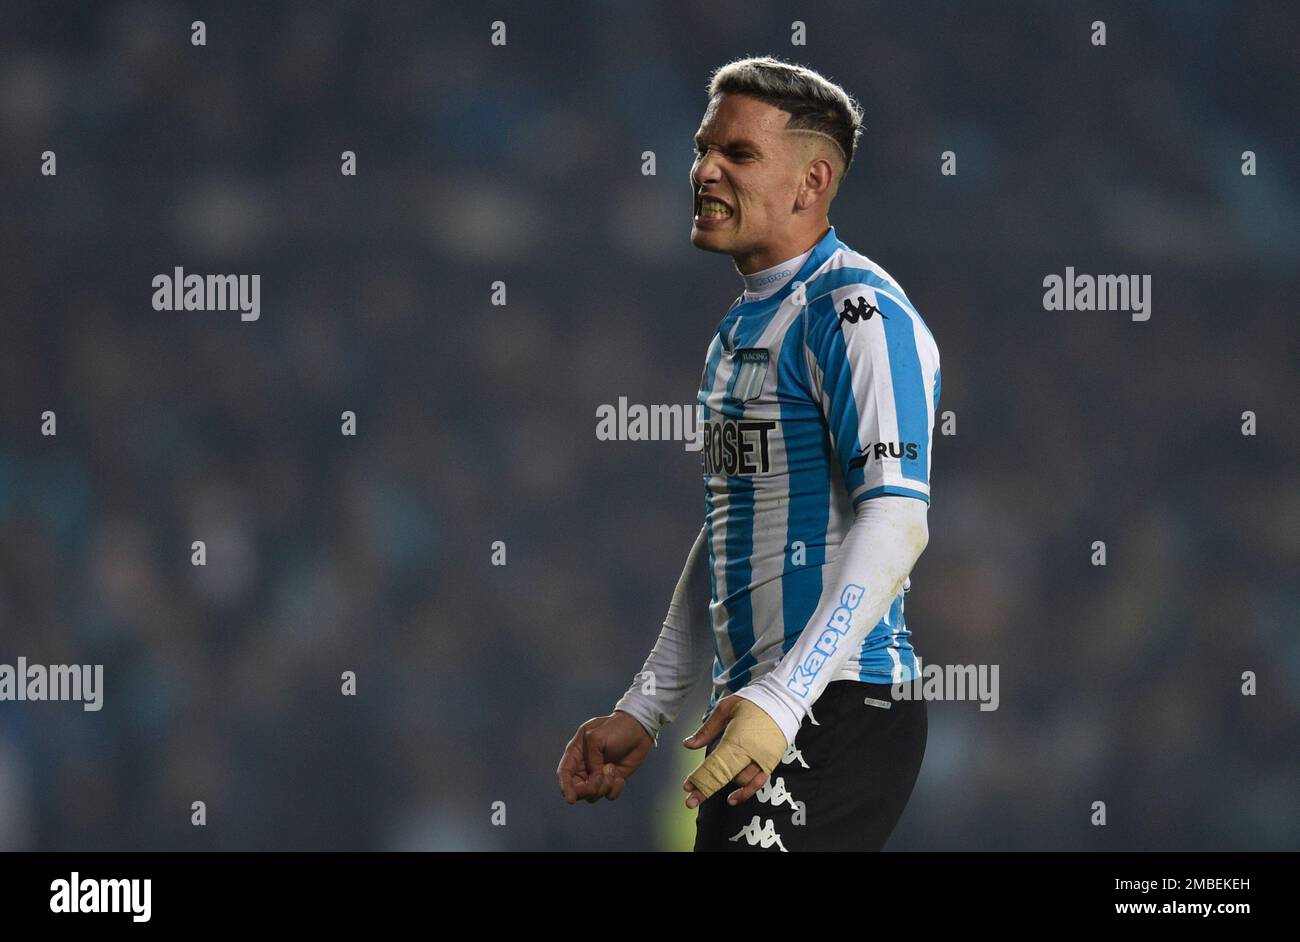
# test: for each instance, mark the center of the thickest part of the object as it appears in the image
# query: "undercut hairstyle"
(813, 102)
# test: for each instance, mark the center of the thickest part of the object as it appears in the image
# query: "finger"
(565, 777)
(581, 787)
(695, 798)
(713, 774)
(570, 767)
(600, 785)
(616, 786)
(581, 781)
(742, 777)
(755, 780)
(712, 727)
(597, 785)
(608, 776)
(589, 790)
(570, 764)
(593, 751)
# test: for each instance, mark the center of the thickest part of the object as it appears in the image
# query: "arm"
(681, 655)
(884, 542)
(606, 750)
(877, 379)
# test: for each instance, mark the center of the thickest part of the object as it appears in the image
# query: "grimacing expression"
(746, 175)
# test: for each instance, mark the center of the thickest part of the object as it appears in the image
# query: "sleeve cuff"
(774, 706)
(644, 713)
(889, 490)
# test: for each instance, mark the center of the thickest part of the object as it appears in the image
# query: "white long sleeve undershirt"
(885, 540)
(683, 652)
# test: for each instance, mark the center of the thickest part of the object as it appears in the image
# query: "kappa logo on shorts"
(763, 835)
(792, 754)
(776, 794)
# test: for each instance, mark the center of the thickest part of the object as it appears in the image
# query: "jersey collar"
(823, 250)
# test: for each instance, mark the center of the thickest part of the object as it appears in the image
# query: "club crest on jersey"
(747, 377)
(861, 309)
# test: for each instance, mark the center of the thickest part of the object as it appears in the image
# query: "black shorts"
(842, 787)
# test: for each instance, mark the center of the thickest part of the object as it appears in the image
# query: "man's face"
(748, 162)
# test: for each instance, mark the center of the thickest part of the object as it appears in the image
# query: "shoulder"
(847, 269)
(850, 289)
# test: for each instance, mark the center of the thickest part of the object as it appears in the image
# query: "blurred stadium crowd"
(476, 422)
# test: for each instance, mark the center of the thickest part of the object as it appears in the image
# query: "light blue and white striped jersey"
(813, 399)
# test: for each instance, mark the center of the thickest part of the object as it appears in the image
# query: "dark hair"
(813, 102)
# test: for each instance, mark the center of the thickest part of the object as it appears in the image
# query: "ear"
(819, 179)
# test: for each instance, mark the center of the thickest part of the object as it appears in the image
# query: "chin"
(708, 241)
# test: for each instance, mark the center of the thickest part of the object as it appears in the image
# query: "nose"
(705, 171)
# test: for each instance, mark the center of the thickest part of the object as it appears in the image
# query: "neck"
(776, 252)
(766, 282)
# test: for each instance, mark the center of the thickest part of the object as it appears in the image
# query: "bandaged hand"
(751, 747)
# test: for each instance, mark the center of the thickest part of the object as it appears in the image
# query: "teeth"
(714, 209)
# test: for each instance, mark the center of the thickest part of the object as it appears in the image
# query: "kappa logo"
(763, 835)
(862, 310)
(837, 627)
(793, 755)
(776, 794)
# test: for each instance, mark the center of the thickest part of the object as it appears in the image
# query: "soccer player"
(817, 404)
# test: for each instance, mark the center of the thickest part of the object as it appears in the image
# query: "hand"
(601, 756)
(754, 747)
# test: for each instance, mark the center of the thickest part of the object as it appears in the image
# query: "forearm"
(884, 542)
(682, 653)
